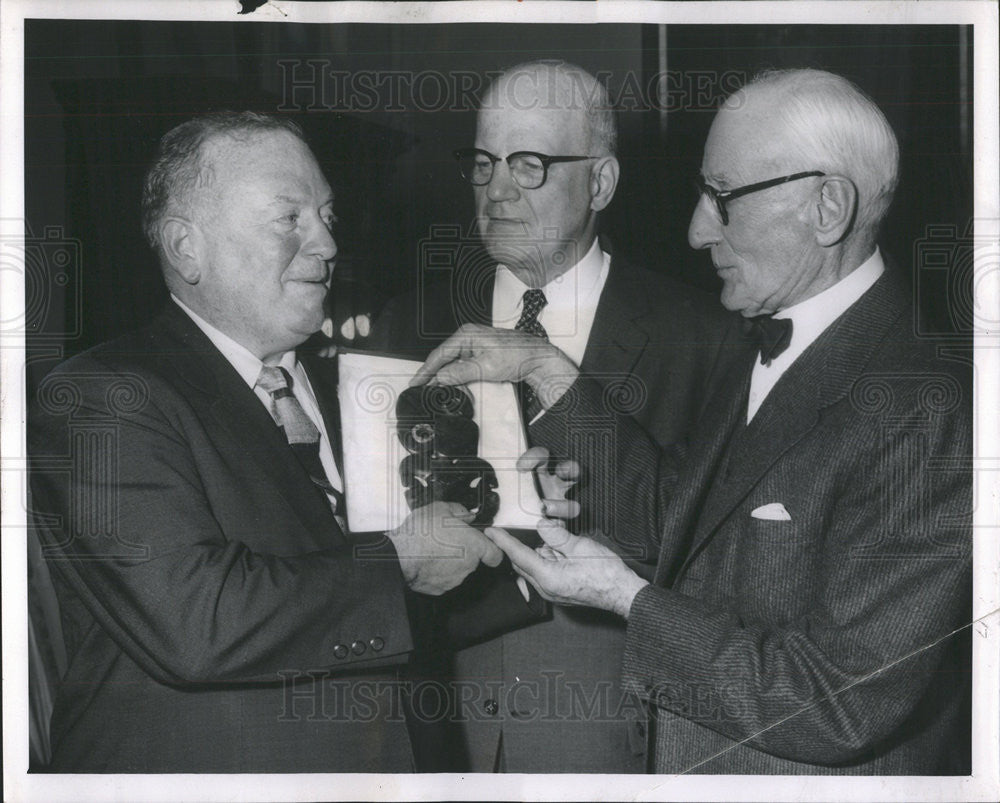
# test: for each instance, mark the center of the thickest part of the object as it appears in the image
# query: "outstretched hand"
(571, 569)
(477, 353)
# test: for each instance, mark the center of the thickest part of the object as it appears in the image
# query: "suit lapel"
(617, 338)
(236, 411)
(821, 377)
(723, 415)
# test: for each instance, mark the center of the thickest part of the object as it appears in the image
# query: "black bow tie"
(771, 335)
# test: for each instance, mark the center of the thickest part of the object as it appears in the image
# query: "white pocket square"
(772, 512)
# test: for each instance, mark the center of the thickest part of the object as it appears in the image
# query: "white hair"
(835, 127)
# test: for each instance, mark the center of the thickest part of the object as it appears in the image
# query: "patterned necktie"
(300, 431)
(532, 303)
(772, 335)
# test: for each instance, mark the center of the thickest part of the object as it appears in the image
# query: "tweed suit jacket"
(824, 642)
(217, 619)
(552, 690)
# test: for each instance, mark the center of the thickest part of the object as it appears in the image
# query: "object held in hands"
(405, 447)
(436, 427)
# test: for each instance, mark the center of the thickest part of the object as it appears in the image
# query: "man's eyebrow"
(288, 199)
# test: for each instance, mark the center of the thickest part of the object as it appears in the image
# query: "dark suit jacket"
(819, 644)
(552, 689)
(216, 617)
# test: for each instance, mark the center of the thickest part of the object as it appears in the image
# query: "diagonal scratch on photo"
(482, 398)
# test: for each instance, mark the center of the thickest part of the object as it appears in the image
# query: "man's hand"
(554, 484)
(437, 549)
(481, 353)
(572, 570)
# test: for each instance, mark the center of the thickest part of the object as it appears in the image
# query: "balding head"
(827, 123)
(559, 85)
(557, 110)
(799, 170)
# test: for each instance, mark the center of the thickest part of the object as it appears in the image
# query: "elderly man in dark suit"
(814, 546)
(547, 697)
(186, 490)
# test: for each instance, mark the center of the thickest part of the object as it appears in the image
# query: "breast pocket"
(772, 567)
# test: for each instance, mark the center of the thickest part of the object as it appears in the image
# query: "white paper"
(369, 388)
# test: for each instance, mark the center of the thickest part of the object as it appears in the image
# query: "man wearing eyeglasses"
(547, 698)
(808, 613)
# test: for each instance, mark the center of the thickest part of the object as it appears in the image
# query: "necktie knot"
(285, 408)
(771, 335)
(532, 303)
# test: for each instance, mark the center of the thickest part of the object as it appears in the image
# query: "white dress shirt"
(248, 367)
(810, 318)
(572, 299)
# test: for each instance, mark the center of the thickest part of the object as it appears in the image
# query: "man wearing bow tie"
(807, 611)
(187, 493)
(546, 698)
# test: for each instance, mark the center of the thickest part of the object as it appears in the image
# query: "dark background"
(98, 95)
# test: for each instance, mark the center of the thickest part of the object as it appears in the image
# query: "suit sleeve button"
(358, 647)
(340, 651)
(377, 644)
(491, 706)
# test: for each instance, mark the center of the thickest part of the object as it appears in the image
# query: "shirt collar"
(810, 318)
(565, 291)
(247, 365)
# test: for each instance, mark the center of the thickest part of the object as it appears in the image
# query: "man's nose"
(705, 229)
(502, 186)
(321, 243)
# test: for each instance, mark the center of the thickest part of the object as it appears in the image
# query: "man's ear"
(835, 210)
(603, 181)
(179, 239)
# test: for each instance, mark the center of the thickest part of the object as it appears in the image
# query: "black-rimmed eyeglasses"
(721, 197)
(528, 169)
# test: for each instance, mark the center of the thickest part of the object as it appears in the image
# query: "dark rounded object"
(359, 647)
(377, 644)
(419, 408)
(491, 707)
(340, 651)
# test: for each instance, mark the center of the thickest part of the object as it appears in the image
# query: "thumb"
(458, 511)
(492, 554)
(555, 535)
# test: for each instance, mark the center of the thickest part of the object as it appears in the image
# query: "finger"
(531, 459)
(347, 329)
(561, 508)
(569, 470)
(447, 352)
(554, 535)
(459, 372)
(523, 558)
(327, 327)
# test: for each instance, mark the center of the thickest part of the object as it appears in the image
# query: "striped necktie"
(532, 303)
(301, 432)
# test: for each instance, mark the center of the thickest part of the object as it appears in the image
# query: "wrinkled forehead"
(535, 110)
(229, 160)
(746, 139)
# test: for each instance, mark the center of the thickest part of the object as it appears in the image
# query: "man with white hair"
(807, 612)
(547, 697)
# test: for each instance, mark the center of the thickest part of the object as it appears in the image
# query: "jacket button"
(377, 644)
(491, 707)
(340, 651)
(358, 647)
